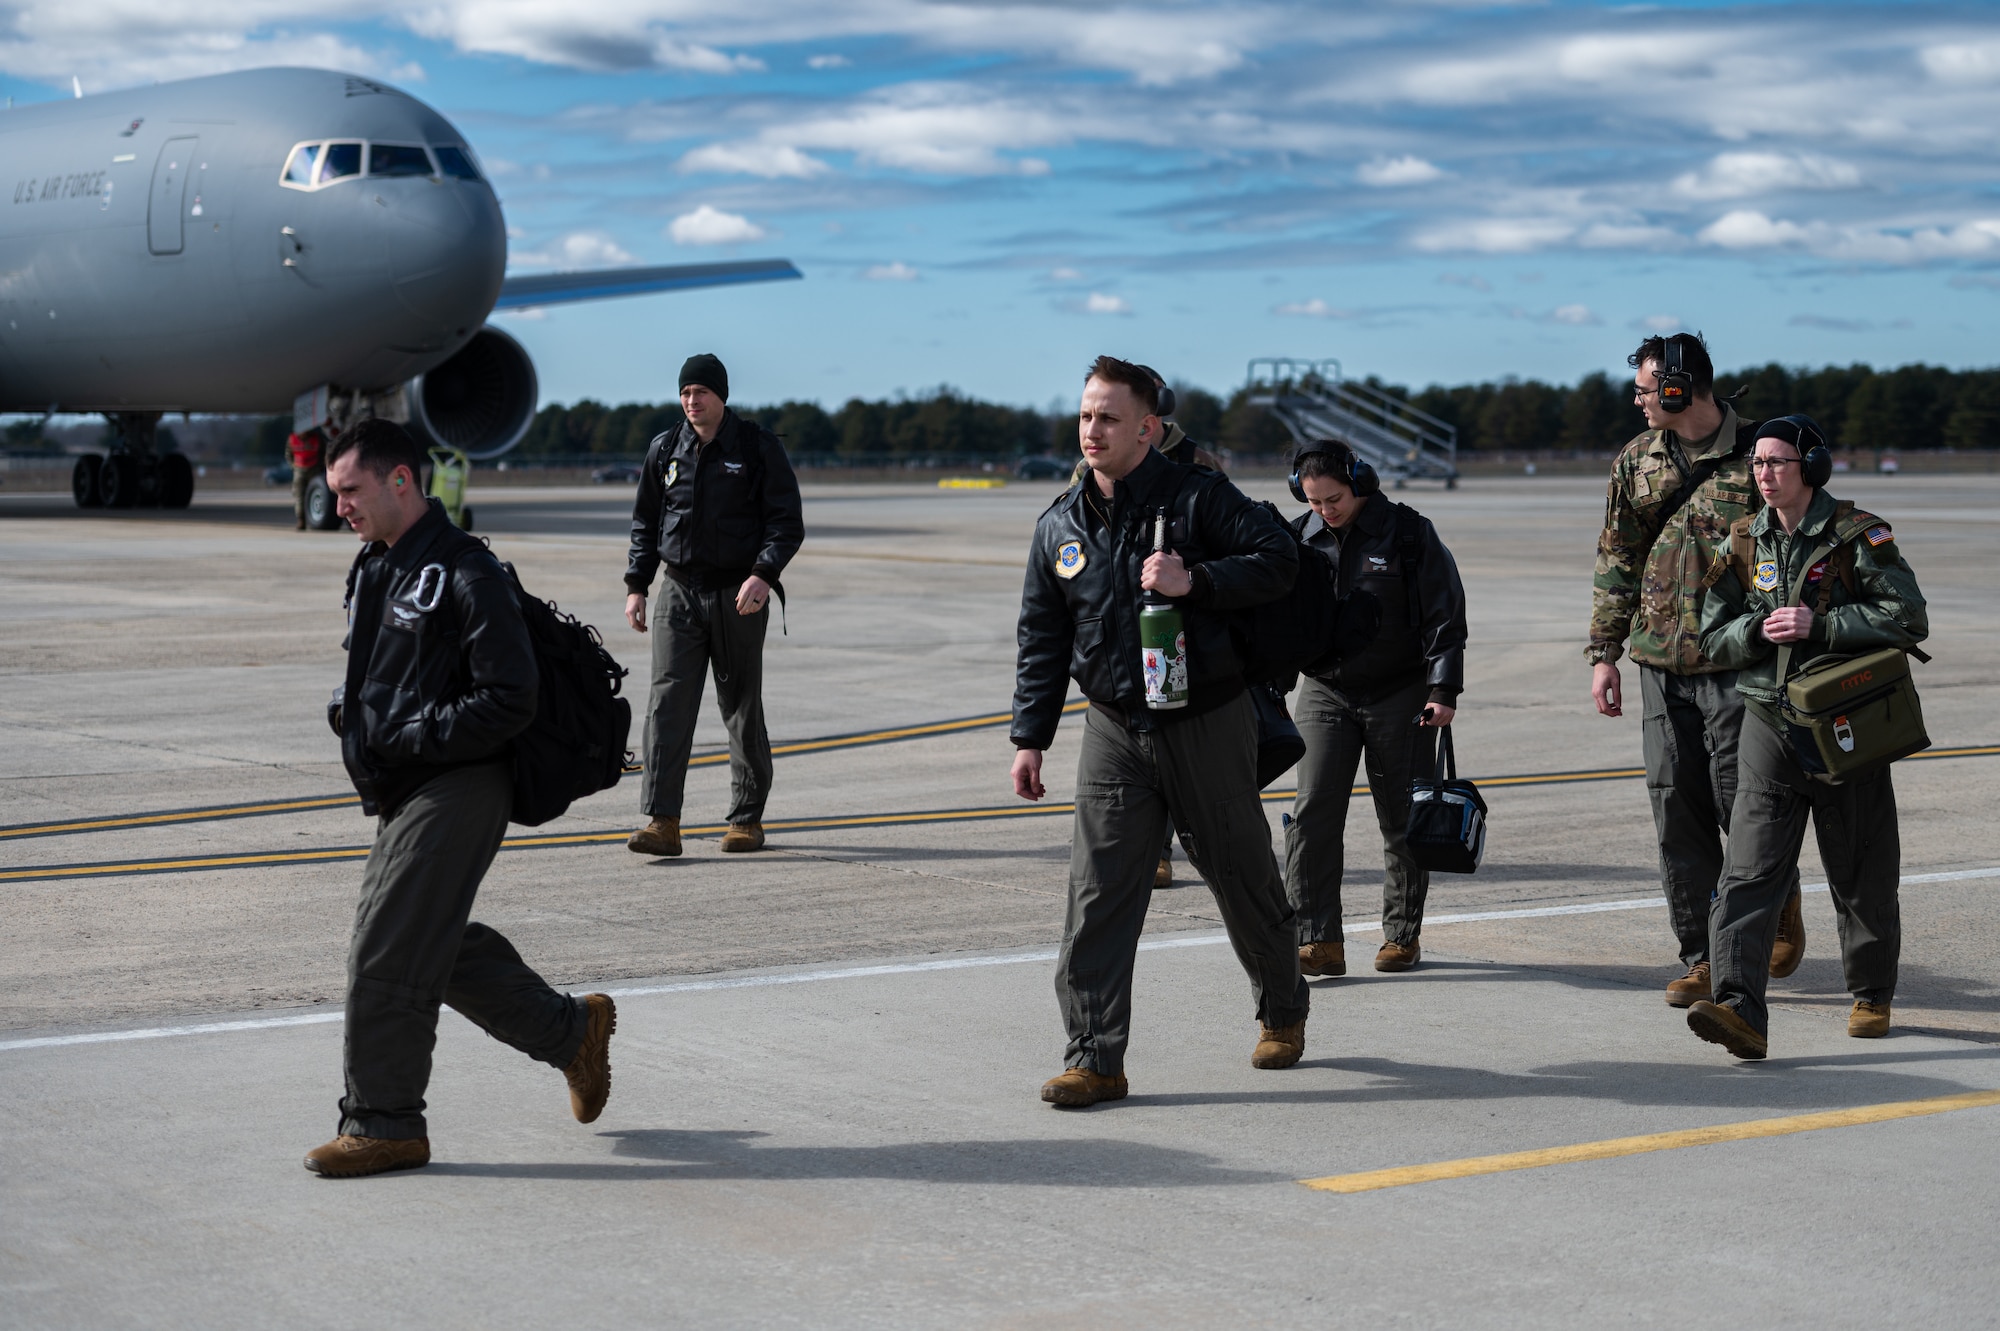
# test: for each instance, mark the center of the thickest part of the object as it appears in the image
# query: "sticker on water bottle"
(1166, 672)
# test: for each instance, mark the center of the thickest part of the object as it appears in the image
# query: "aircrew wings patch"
(1880, 535)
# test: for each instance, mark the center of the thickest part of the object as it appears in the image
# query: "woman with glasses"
(1815, 577)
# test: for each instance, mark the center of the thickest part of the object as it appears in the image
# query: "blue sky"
(987, 195)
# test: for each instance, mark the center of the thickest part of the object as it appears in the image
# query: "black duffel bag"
(1447, 827)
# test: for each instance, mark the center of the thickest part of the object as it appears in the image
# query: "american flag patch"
(1880, 535)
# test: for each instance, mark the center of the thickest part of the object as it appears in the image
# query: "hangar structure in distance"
(262, 241)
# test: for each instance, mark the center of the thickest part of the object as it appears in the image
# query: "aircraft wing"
(603, 283)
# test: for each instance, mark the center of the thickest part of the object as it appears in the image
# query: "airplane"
(262, 241)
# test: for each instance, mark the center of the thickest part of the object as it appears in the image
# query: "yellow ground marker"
(972, 483)
(1474, 1166)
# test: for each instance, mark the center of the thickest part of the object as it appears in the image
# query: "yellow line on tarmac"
(181, 865)
(1376, 1179)
(886, 736)
(179, 816)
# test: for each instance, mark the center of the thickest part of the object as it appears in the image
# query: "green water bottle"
(1162, 640)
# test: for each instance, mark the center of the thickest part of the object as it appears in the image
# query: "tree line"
(1908, 408)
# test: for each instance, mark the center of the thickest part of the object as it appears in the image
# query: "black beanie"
(706, 370)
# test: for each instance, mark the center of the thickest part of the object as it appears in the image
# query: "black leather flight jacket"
(440, 670)
(715, 514)
(1423, 629)
(1080, 604)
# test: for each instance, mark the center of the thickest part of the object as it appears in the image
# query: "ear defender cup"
(1803, 433)
(1164, 393)
(1817, 469)
(1363, 480)
(1676, 384)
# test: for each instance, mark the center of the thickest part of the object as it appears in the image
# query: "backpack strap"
(1742, 554)
(1410, 553)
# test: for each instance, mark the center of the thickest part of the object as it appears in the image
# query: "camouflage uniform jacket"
(1842, 563)
(1648, 582)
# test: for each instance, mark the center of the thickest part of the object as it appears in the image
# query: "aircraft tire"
(83, 481)
(176, 481)
(118, 481)
(321, 512)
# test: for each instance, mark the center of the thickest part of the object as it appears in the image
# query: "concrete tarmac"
(868, 1149)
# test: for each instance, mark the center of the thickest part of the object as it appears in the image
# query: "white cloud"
(1103, 302)
(1962, 62)
(708, 225)
(830, 61)
(891, 272)
(578, 249)
(1659, 323)
(932, 128)
(1495, 235)
(1392, 171)
(1311, 309)
(1065, 275)
(1579, 316)
(1748, 229)
(772, 161)
(1741, 175)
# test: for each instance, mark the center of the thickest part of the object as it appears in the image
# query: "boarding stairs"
(1315, 401)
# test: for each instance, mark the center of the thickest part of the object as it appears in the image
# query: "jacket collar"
(423, 534)
(1818, 514)
(1152, 482)
(1725, 438)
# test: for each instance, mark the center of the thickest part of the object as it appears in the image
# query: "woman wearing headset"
(1822, 577)
(1387, 558)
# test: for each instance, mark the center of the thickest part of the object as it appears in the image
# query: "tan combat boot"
(1326, 957)
(1790, 948)
(1399, 956)
(1690, 988)
(1079, 1088)
(662, 836)
(1163, 877)
(1279, 1048)
(589, 1073)
(1868, 1021)
(743, 837)
(1720, 1025)
(357, 1157)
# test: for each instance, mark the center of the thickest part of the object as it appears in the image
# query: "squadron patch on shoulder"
(1767, 575)
(1069, 559)
(673, 472)
(1880, 535)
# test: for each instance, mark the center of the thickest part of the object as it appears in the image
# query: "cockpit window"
(299, 166)
(399, 159)
(338, 161)
(457, 163)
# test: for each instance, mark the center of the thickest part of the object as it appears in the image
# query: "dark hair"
(380, 446)
(1326, 457)
(1694, 358)
(1135, 377)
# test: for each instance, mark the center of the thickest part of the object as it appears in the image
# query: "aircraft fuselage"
(153, 257)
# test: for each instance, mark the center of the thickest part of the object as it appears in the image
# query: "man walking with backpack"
(440, 678)
(1674, 492)
(719, 506)
(1141, 765)
(1382, 698)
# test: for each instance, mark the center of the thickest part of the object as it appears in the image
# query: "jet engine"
(481, 400)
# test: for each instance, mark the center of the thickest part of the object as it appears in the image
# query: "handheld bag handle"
(1445, 768)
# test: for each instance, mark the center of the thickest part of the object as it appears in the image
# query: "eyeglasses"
(1772, 464)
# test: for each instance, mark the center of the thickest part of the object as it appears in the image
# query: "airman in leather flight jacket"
(440, 670)
(1080, 604)
(1423, 608)
(715, 513)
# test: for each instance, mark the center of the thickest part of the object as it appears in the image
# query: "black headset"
(1360, 477)
(1676, 384)
(1165, 394)
(1802, 432)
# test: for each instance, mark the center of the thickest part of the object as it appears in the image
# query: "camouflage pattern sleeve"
(1622, 549)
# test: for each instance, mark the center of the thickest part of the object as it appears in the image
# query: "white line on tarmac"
(915, 967)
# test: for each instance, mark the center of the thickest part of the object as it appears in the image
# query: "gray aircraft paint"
(151, 260)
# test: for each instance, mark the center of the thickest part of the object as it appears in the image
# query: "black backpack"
(575, 746)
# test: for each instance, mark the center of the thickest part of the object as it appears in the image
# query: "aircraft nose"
(449, 251)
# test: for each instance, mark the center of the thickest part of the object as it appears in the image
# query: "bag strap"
(1692, 480)
(1445, 766)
